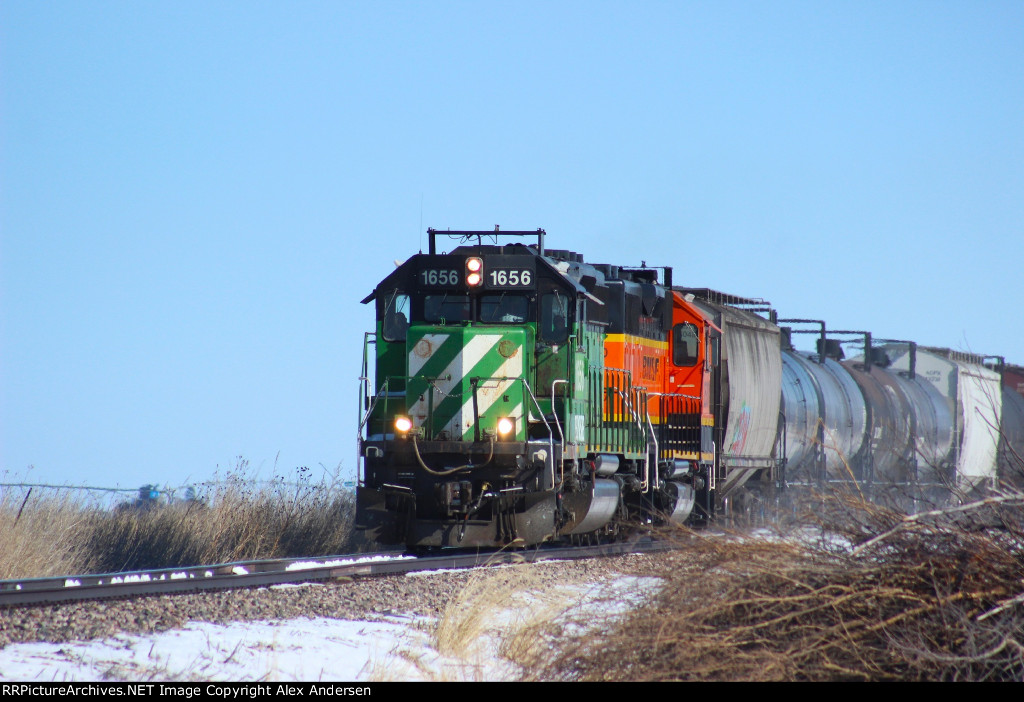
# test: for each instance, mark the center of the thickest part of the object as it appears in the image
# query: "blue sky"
(195, 196)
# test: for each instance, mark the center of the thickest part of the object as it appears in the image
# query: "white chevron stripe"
(491, 391)
(467, 357)
(424, 350)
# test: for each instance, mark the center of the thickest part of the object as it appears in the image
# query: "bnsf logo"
(651, 366)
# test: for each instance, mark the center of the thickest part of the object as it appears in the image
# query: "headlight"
(474, 271)
(403, 424)
(505, 426)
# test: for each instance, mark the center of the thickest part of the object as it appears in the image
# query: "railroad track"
(263, 573)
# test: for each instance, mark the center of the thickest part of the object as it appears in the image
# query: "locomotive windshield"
(452, 308)
(504, 309)
(446, 308)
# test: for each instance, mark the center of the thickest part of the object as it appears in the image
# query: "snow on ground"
(400, 649)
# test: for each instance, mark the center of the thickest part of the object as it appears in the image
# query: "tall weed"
(236, 519)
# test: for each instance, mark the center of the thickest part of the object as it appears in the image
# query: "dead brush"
(936, 596)
(39, 532)
(238, 521)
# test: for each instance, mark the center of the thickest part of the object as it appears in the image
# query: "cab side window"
(396, 317)
(684, 344)
(554, 318)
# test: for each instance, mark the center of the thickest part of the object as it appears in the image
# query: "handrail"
(551, 438)
(646, 486)
(561, 436)
(632, 396)
(362, 394)
(364, 377)
(628, 399)
(540, 413)
(657, 457)
(364, 420)
(635, 410)
(673, 394)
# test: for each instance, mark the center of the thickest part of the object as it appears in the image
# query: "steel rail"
(246, 574)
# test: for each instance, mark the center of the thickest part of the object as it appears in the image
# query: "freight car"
(513, 394)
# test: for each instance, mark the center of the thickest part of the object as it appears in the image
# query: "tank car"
(974, 396)
(927, 420)
(1011, 441)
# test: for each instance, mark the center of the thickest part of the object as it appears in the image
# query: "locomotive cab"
(459, 441)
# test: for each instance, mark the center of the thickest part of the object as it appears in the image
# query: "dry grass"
(494, 629)
(506, 614)
(881, 597)
(64, 534)
(493, 608)
(511, 619)
(238, 523)
(40, 530)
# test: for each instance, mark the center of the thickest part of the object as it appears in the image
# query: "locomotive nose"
(466, 383)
